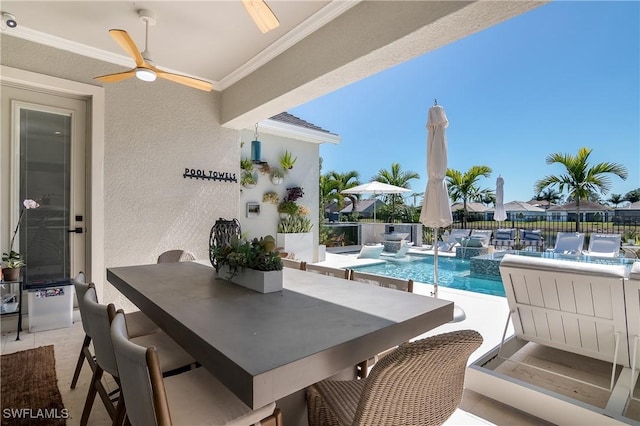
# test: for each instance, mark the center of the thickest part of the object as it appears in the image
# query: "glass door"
(48, 167)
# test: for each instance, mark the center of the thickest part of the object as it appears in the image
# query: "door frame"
(94, 199)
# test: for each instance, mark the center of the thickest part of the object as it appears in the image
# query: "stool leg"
(81, 358)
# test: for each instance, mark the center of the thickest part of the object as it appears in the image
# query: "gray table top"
(266, 346)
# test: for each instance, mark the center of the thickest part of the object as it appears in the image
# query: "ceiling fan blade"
(183, 79)
(122, 38)
(261, 15)
(119, 76)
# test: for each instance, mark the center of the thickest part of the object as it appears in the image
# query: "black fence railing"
(629, 229)
(345, 234)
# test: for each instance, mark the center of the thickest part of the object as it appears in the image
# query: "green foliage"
(248, 178)
(294, 224)
(12, 260)
(463, 186)
(632, 196)
(581, 180)
(288, 207)
(246, 164)
(287, 161)
(260, 254)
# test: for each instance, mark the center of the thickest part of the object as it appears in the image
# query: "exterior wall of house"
(153, 132)
(304, 174)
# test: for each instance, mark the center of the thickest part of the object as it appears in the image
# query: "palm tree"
(341, 181)
(632, 196)
(581, 180)
(550, 195)
(397, 177)
(615, 199)
(463, 186)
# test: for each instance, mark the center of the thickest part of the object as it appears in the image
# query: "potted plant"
(287, 208)
(246, 165)
(277, 175)
(630, 236)
(254, 264)
(12, 261)
(287, 160)
(248, 179)
(271, 197)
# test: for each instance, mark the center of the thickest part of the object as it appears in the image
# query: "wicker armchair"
(420, 383)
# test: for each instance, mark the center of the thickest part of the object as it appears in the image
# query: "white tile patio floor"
(486, 314)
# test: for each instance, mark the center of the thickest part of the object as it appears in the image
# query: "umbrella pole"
(435, 262)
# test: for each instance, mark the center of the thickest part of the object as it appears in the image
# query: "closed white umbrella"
(436, 206)
(376, 188)
(500, 213)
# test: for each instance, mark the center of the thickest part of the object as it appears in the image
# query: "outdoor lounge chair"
(604, 245)
(402, 251)
(478, 238)
(571, 306)
(505, 238)
(568, 243)
(531, 239)
(450, 240)
(419, 383)
(370, 251)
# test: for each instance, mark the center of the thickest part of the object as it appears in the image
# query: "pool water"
(452, 273)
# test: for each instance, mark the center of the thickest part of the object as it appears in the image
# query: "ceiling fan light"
(145, 74)
(261, 15)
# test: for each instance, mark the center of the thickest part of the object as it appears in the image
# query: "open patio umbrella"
(500, 213)
(376, 188)
(436, 206)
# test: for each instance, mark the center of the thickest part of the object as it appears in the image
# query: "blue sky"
(560, 77)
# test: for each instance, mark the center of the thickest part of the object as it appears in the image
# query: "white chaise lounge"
(571, 306)
(604, 245)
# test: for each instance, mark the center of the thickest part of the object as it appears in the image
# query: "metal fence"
(345, 234)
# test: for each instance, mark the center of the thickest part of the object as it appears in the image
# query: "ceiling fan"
(145, 69)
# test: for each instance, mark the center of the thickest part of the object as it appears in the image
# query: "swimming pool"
(452, 273)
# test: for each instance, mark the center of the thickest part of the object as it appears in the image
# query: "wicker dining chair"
(175, 256)
(194, 397)
(420, 383)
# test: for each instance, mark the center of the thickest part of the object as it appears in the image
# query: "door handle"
(75, 230)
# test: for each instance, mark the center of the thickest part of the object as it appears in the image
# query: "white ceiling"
(212, 40)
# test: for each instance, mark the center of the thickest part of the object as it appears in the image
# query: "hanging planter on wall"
(277, 176)
(287, 161)
(249, 179)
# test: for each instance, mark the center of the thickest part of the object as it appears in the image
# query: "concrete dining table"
(264, 347)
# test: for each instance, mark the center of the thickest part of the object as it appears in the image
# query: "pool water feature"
(452, 273)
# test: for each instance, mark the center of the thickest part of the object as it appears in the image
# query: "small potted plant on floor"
(254, 264)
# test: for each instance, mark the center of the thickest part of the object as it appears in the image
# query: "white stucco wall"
(304, 174)
(152, 133)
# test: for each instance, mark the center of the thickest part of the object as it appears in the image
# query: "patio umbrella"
(500, 214)
(436, 206)
(376, 188)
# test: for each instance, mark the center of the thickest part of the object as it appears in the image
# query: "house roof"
(471, 207)
(584, 207)
(285, 117)
(632, 206)
(520, 206)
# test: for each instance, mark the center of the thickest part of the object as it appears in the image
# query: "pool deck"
(485, 313)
